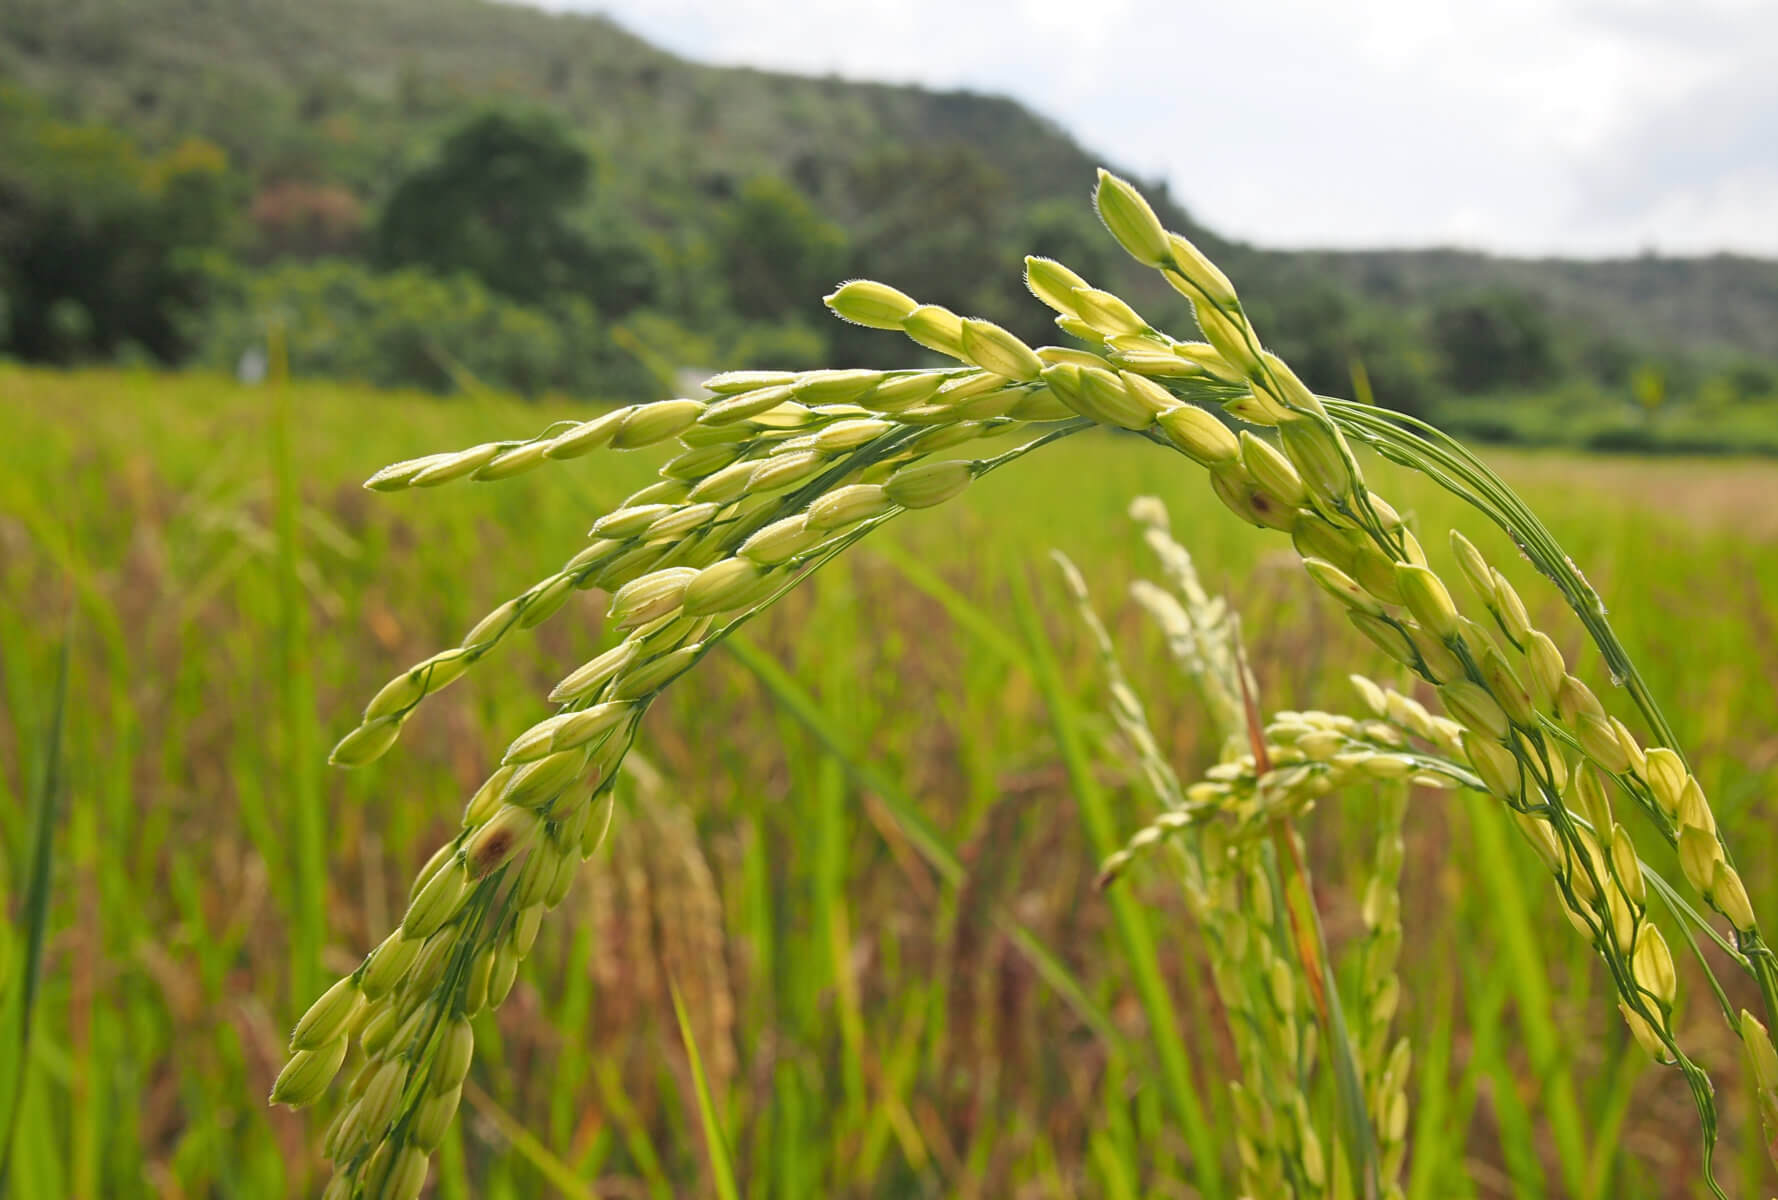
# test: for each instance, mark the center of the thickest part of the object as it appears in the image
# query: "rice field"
(868, 1025)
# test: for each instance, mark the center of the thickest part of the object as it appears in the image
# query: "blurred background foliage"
(463, 193)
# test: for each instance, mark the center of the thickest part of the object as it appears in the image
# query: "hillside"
(1722, 301)
(365, 83)
(357, 93)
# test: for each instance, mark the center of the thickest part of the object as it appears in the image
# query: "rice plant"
(1243, 871)
(777, 473)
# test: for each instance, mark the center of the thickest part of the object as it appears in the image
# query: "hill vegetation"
(178, 175)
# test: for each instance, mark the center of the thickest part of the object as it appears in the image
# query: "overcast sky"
(1524, 126)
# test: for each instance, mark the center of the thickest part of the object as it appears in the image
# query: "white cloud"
(1537, 126)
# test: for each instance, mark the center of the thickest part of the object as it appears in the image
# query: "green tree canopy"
(498, 202)
(1494, 339)
(101, 247)
(934, 220)
(778, 256)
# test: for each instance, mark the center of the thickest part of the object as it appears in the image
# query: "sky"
(1575, 127)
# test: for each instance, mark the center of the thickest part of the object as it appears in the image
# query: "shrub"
(413, 328)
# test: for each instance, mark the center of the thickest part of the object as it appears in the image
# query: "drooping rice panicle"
(778, 472)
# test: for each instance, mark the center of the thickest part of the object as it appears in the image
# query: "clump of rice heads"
(1322, 1095)
(778, 472)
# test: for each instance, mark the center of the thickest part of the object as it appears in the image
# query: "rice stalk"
(779, 472)
(1249, 890)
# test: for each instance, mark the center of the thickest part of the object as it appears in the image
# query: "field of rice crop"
(868, 1025)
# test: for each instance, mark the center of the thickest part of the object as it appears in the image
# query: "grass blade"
(921, 834)
(1133, 927)
(296, 706)
(524, 1143)
(1512, 923)
(36, 906)
(1130, 918)
(721, 1165)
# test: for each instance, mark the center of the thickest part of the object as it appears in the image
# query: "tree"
(1328, 333)
(1067, 232)
(776, 254)
(101, 248)
(1494, 339)
(497, 202)
(934, 221)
